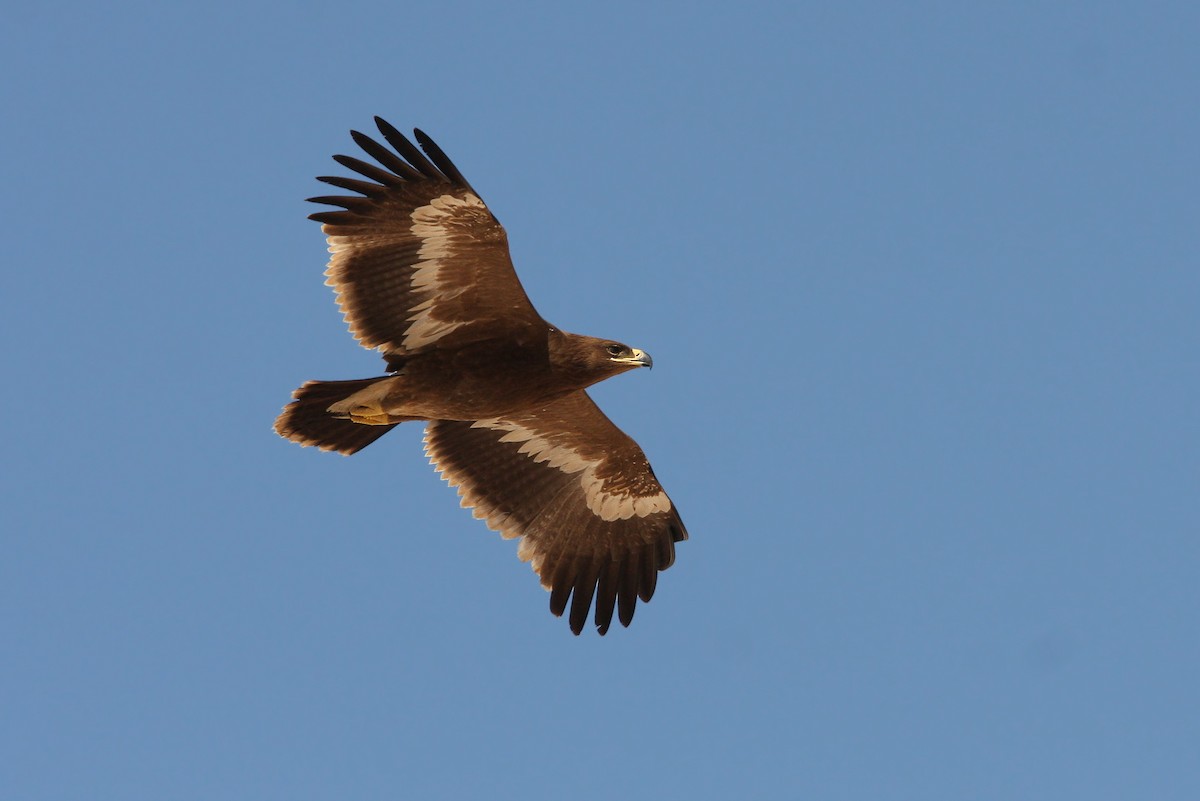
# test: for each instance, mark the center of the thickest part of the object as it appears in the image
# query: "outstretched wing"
(418, 259)
(579, 492)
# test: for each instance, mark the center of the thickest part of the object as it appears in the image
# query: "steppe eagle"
(423, 275)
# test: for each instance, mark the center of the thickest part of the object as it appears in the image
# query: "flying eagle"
(423, 275)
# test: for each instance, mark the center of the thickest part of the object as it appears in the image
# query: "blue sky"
(921, 284)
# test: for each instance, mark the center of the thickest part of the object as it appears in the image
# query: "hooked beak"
(637, 358)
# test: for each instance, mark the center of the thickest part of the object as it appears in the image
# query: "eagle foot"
(372, 419)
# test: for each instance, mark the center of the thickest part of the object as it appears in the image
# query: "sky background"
(921, 284)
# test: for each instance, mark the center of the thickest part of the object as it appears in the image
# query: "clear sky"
(921, 282)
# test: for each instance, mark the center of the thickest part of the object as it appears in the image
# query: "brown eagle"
(422, 274)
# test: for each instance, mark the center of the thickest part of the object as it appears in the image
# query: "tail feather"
(307, 419)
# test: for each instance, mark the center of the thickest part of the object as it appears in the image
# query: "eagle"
(422, 273)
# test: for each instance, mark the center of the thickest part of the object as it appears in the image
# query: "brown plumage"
(422, 273)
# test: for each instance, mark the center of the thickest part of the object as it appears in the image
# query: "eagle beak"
(638, 357)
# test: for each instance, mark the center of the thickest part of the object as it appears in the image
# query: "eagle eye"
(615, 350)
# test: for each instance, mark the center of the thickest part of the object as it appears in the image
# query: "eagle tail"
(307, 419)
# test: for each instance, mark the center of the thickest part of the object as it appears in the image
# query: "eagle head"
(592, 359)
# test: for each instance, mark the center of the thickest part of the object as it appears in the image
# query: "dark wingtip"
(360, 138)
(558, 599)
(441, 160)
(388, 130)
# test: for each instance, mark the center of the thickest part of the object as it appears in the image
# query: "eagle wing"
(418, 259)
(578, 491)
